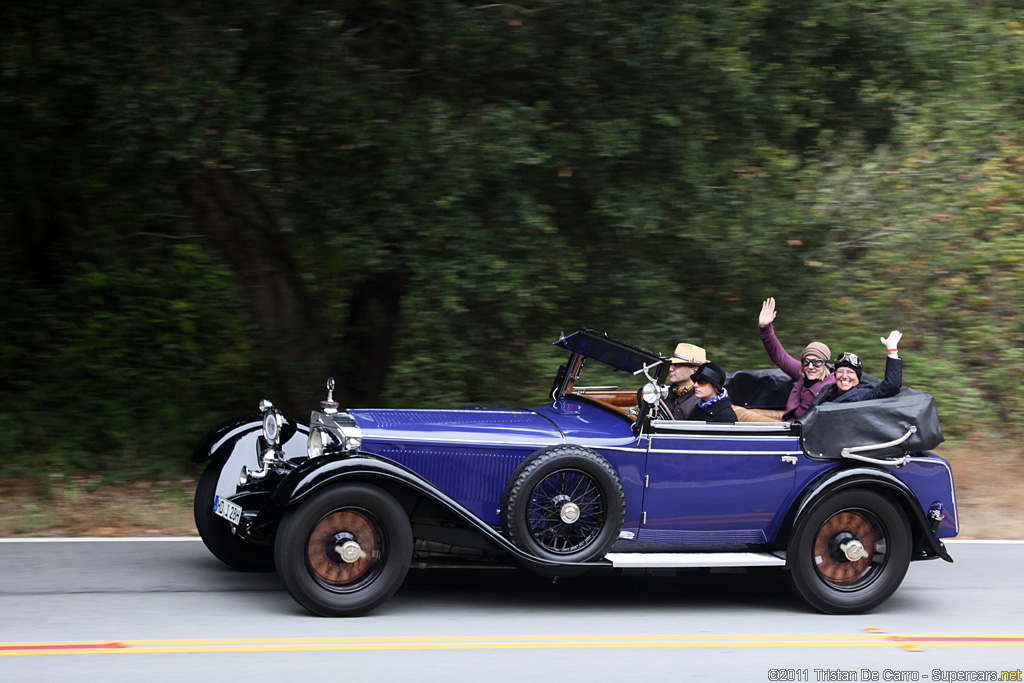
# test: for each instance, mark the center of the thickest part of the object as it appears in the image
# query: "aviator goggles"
(851, 359)
(816, 362)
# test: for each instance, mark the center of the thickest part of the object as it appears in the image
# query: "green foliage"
(650, 168)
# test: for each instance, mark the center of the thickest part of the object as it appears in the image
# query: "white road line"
(102, 539)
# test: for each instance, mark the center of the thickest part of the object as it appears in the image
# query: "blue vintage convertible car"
(595, 477)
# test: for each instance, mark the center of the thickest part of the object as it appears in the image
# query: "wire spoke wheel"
(566, 511)
(564, 503)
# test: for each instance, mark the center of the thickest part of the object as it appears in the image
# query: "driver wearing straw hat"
(681, 400)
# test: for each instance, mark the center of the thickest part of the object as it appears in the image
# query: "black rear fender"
(925, 545)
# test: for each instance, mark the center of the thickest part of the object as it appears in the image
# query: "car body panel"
(720, 487)
(471, 453)
(930, 478)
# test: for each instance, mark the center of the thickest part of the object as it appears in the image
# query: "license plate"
(226, 509)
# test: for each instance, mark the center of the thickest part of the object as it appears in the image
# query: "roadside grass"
(54, 505)
(989, 476)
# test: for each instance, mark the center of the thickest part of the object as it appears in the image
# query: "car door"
(712, 483)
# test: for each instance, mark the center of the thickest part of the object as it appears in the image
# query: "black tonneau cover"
(831, 427)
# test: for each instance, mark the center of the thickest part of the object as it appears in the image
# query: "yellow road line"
(507, 642)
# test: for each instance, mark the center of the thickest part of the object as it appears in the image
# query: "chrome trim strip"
(471, 411)
(417, 439)
(694, 560)
(709, 452)
(679, 425)
(615, 448)
(727, 437)
(370, 437)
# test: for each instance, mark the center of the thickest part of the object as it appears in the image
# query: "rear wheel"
(850, 553)
(344, 551)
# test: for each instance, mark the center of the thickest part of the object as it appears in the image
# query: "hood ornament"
(330, 406)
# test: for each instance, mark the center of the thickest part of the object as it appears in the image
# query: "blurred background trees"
(202, 206)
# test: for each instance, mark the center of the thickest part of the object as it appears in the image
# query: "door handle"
(789, 459)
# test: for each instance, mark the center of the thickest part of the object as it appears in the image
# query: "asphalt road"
(168, 611)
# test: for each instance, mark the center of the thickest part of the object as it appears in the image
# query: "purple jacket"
(803, 394)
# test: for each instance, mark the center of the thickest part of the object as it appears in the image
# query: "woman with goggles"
(849, 368)
(811, 373)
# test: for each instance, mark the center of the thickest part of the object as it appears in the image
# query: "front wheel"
(850, 553)
(344, 551)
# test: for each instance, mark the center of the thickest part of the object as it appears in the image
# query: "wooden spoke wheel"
(850, 552)
(345, 550)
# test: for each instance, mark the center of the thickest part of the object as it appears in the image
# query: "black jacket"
(719, 411)
(681, 404)
(890, 386)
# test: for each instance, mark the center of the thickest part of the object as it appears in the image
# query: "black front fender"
(217, 444)
(926, 546)
(313, 475)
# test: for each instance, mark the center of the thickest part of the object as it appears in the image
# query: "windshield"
(598, 346)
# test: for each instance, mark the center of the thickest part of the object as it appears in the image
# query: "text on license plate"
(226, 509)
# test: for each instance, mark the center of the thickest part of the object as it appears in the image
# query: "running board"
(667, 560)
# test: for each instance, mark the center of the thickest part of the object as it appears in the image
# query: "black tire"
(821, 571)
(309, 544)
(216, 532)
(564, 503)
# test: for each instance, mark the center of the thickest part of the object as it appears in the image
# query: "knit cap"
(818, 349)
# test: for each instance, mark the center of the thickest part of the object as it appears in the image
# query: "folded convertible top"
(831, 427)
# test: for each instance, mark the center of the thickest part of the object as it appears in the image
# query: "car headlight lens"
(315, 443)
(653, 392)
(272, 427)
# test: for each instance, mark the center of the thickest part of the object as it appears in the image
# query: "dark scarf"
(714, 399)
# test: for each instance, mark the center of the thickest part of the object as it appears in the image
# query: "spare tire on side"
(564, 503)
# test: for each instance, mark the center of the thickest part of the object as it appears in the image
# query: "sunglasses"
(816, 362)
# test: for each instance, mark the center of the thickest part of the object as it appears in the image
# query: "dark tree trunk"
(300, 350)
(370, 338)
(246, 234)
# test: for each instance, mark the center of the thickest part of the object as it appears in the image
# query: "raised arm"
(767, 316)
(892, 343)
(890, 386)
(784, 361)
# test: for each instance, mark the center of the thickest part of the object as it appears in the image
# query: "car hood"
(467, 425)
